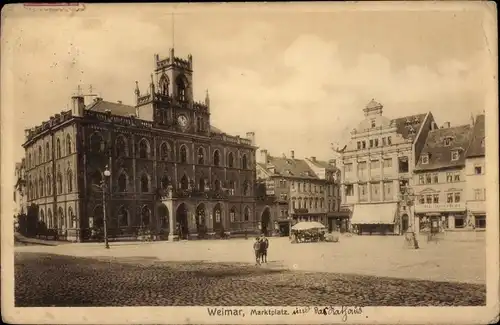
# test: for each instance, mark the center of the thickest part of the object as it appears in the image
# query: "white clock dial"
(183, 121)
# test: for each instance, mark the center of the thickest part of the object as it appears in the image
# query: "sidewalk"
(35, 241)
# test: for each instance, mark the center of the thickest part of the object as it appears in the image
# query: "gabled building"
(440, 179)
(475, 175)
(305, 189)
(376, 166)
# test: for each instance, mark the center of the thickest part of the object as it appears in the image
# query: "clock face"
(183, 120)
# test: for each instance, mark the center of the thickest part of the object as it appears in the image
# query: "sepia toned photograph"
(250, 163)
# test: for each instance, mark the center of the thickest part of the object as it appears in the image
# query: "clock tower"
(169, 102)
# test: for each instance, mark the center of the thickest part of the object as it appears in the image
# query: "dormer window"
(425, 159)
(455, 155)
(447, 142)
(373, 123)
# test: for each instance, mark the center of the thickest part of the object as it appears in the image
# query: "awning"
(338, 214)
(370, 214)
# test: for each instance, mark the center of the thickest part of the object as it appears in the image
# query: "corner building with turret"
(172, 172)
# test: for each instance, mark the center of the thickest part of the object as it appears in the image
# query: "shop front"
(443, 220)
(375, 219)
(338, 221)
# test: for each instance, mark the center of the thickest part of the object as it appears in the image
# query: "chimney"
(313, 159)
(446, 125)
(78, 105)
(264, 156)
(251, 137)
(292, 154)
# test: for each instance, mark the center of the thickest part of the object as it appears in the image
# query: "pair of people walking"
(260, 248)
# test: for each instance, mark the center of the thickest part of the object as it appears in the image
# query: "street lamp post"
(408, 197)
(104, 187)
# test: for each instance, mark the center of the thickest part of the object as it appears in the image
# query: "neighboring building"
(440, 179)
(377, 164)
(305, 189)
(171, 170)
(475, 164)
(20, 204)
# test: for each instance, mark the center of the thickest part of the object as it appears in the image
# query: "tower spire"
(173, 30)
(152, 85)
(137, 91)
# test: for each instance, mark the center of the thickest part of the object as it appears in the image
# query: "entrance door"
(264, 220)
(200, 219)
(218, 225)
(405, 222)
(163, 217)
(182, 221)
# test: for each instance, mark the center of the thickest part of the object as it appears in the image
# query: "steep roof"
(124, 110)
(288, 167)
(406, 123)
(373, 104)
(322, 164)
(476, 147)
(115, 108)
(439, 154)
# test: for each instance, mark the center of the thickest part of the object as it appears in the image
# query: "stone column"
(171, 219)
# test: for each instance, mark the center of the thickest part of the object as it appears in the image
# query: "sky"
(297, 77)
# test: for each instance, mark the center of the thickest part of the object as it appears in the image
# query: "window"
(145, 216)
(428, 179)
(59, 184)
(456, 177)
(232, 214)
(389, 141)
(403, 164)
(47, 151)
(244, 163)
(40, 159)
(58, 148)
(230, 160)
(121, 147)
(459, 222)
(349, 190)
(435, 198)
(184, 185)
(144, 183)
(447, 142)
(421, 199)
(247, 213)
(375, 191)
(246, 188)
(216, 158)
(70, 181)
(428, 199)
(383, 141)
(68, 145)
(293, 203)
(479, 194)
(449, 177)
(201, 156)
(96, 143)
(375, 164)
(449, 198)
(376, 142)
(373, 123)
(144, 149)
(123, 217)
(183, 154)
(478, 170)
(348, 168)
(164, 85)
(425, 159)
(387, 189)
(387, 163)
(362, 165)
(181, 87)
(41, 187)
(122, 183)
(454, 155)
(363, 143)
(165, 152)
(435, 177)
(359, 145)
(421, 179)
(457, 197)
(49, 185)
(371, 143)
(217, 186)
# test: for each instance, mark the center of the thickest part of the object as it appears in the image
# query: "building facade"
(475, 171)
(376, 167)
(171, 170)
(305, 190)
(440, 180)
(20, 203)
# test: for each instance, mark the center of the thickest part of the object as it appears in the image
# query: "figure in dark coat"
(264, 245)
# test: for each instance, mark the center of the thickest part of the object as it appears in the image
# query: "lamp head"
(107, 173)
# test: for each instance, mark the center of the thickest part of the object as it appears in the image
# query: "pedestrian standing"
(256, 248)
(263, 247)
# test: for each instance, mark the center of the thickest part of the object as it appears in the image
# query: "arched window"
(294, 201)
(49, 219)
(165, 182)
(40, 157)
(247, 213)
(165, 151)
(121, 146)
(58, 148)
(145, 216)
(232, 214)
(184, 182)
(201, 184)
(59, 184)
(72, 218)
(144, 149)
(244, 162)
(97, 178)
(230, 160)
(49, 185)
(182, 85)
(217, 185)
(42, 216)
(144, 183)
(35, 194)
(183, 154)
(68, 145)
(122, 182)
(122, 217)
(62, 219)
(47, 151)
(164, 85)
(232, 186)
(42, 191)
(246, 187)
(216, 158)
(201, 156)
(70, 181)
(96, 142)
